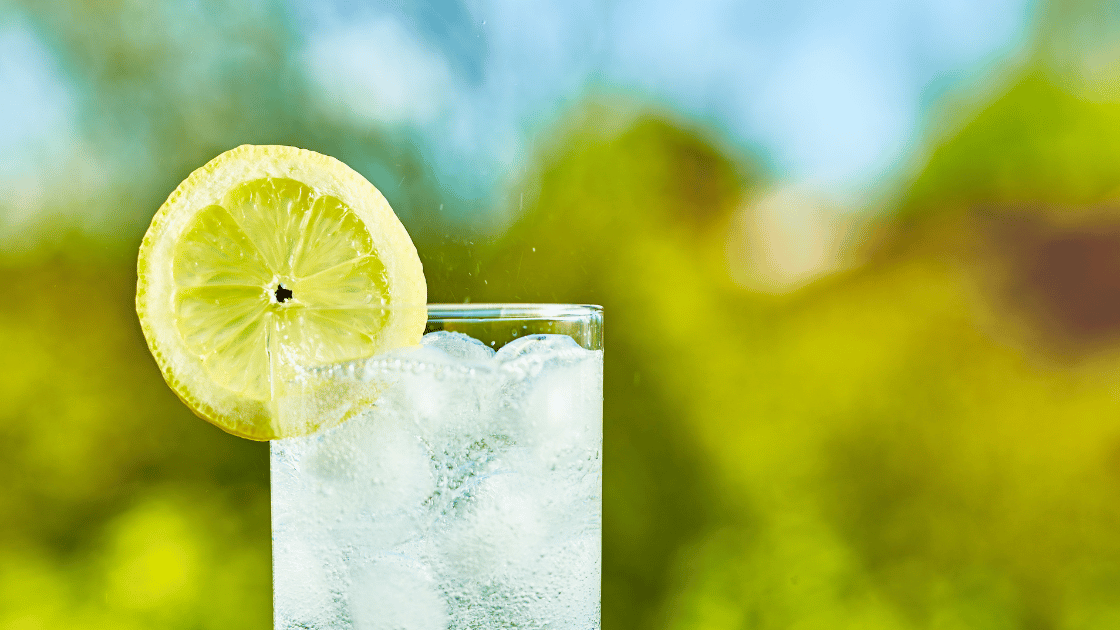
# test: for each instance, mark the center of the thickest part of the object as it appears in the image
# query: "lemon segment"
(262, 265)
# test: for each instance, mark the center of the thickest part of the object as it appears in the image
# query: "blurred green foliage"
(119, 508)
(899, 445)
(870, 452)
(1037, 143)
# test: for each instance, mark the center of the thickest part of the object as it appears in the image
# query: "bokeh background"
(860, 263)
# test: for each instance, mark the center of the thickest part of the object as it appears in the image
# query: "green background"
(924, 435)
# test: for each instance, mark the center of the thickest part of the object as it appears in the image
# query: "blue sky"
(832, 96)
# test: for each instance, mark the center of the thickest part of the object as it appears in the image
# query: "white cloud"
(377, 72)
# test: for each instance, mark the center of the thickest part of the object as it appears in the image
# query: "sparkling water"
(468, 496)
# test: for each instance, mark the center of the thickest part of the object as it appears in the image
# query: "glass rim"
(483, 311)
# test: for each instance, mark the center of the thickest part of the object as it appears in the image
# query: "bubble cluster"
(467, 496)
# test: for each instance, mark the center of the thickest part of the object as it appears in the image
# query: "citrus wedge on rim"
(265, 262)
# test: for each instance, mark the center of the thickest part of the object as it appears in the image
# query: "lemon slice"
(266, 262)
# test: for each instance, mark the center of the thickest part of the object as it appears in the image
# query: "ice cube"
(306, 580)
(373, 461)
(563, 413)
(458, 345)
(394, 592)
(498, 521)
(446, 402)
(562, 588)
(540, 346)
(554, 389)
(521, 552)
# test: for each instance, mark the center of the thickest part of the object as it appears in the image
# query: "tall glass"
(467, 495)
